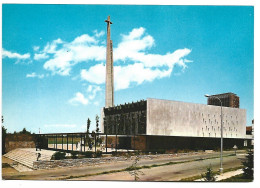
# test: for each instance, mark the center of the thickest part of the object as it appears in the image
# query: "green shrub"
(161, 151)
(99, 153)
(58, 156)
(249, 165)
(74, 155)
(114, 153)
(88, 154)
(209, 175)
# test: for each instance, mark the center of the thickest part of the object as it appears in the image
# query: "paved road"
(153, 173)
(170, 172)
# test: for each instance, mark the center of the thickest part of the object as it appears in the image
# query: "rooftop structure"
(227, 99)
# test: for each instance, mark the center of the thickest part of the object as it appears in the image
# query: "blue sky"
(53, 59)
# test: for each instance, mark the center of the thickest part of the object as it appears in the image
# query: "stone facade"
(174, 118)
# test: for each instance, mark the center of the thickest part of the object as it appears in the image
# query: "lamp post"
(221, 144)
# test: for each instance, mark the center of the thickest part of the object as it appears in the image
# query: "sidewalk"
(225, 175)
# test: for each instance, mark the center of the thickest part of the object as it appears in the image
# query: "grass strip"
(139, 167)
(237, 178)
(193, 178)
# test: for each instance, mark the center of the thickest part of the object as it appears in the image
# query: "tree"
(87, 135)
(98, 139)
(208, 176)
(97, 124)
(249, 165)
(24, 131)
(88, 125)
(3, 138)
(134, 170)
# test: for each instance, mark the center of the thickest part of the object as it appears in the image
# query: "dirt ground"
(6, 168)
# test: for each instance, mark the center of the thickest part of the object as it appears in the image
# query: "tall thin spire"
(109, 68)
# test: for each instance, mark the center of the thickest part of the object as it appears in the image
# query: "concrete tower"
(109, 68)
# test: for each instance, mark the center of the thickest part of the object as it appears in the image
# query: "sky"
(53, 59)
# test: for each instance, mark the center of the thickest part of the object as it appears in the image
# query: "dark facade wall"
(127, 142)
(138, 143)
(127, 119)
(192, 143)
(14, 141)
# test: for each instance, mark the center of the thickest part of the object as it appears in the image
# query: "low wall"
(13, 141)
(90, 161)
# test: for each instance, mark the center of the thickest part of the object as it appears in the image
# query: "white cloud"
(33, 75)
(14, 55)
(90, 87)
(143, 67)
(40, 56)
(95, 74)
(92, 91)
(60, 64)
(78, 99)
(99, 34)
(84, 39)
(133, 62)
(133, 44)
(137, 73)
(81, 49)
(36, 48)
(59, 126)
(96, 103)
(51, 47)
